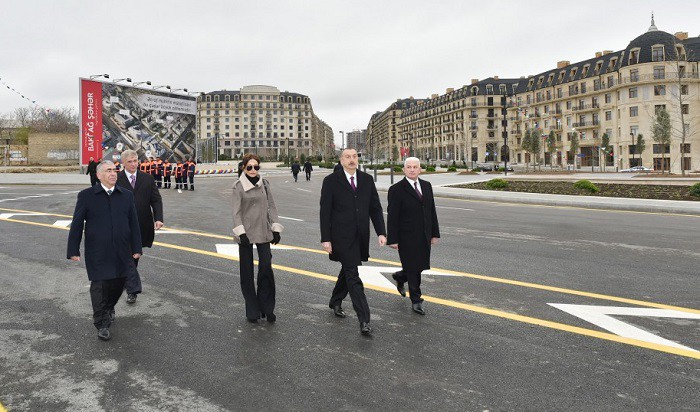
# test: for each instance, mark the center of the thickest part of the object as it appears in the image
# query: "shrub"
(695, 190)
(587, 186)
(430, 169)
(398, 169)
(452, 169)
(496, 184)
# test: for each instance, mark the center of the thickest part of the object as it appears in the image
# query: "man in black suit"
(149, 207)
(112, 242)
(349, 200)
(412, 228)
(92, 171)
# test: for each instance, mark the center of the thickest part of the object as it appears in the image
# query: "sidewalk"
(441, 180)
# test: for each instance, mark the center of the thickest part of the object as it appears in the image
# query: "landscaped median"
(587, 188)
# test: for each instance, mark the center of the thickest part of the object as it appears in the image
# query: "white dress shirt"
(348, 176)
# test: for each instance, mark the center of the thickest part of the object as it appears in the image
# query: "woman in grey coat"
(255, 221)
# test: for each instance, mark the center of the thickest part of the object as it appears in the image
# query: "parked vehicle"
(637, 169)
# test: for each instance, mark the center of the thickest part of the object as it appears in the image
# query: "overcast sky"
(352, 58)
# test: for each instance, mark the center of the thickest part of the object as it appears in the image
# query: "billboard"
(115, 117)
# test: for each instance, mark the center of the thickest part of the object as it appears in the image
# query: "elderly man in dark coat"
(112, 240)
(412, 228)
(349, 200)
(149, 207)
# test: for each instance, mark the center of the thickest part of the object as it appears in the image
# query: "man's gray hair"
(103, 164)
(128, 154)
(411, 159)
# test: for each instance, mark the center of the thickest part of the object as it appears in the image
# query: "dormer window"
(561, 76)
(489, 89)
(539, 82)
(515, 87)
(680, 52)
(572, 75)
(530, 84)
(585, 70)
(657, 53)
(598, 66)
(550, 78)
(475, 91)
(613, 63)
(502, 89)
(634, 57)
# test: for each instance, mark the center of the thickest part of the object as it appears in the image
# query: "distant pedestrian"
(256, 222)
(92, 171)
(149, 207)
(190, 172)
(296, 169)
(412, 229)
(307, 169)
(112, 242)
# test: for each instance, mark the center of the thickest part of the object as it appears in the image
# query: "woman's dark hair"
(247, 157)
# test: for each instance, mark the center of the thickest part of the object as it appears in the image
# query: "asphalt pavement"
(529, 307)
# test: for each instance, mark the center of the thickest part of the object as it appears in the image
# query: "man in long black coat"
(349, 200)
(412, 228)
(92, 171)
(112, 240)
(149, 207)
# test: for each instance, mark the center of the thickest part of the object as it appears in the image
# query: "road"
(523, 313)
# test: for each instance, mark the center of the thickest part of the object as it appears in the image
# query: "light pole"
(342, 141)
(287, 159)
(635, 148)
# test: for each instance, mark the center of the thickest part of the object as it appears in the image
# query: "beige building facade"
(260, 119)
(614, 93)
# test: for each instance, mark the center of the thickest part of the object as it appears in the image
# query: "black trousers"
(191, 180)
(296, 175)
(133, 280)
(104, 295)
(349, 281)
(262, 301)
(308, 175)
(93, 180)
(166, 182)
(413, 279)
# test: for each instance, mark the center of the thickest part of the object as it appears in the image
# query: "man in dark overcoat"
(412, 228)
(92, 171)
(112, 242)
(349, 200)
(308, 168)
(149, 207)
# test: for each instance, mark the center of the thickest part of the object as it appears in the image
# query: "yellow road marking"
(2, 408)
(464, 306)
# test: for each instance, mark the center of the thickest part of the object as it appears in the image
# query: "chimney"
(606, 52)
(598, 54)
(682, 35)
(475, 81)
(449, 90)
(411, 97)
(562, 64)
(434, 96)
(495, 77)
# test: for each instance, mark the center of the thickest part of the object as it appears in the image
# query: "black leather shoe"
(271, 317)
(131, 298)
(112, 316)
(418, 308)
(252, 320)
(365, 328)
(399, 285)
(338, 311)
(104, 334)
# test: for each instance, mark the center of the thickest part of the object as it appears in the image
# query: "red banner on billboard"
(91, 121)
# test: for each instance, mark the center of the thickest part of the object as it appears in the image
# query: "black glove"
(276, 238)
(243, 240)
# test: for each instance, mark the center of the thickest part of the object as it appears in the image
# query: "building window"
(634, 75)
(659, 107)
(608, 115)
(657, 53)
(659, 72)
(633, 92)
(659, 90)
(634, 111)
(608, 97)
(684, 109)
(659, 147)
(684, 89)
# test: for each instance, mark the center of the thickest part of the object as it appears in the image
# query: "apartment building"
(262, 120)
(616, 93)
(383, 139)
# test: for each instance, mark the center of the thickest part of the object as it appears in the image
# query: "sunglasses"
(249, 168)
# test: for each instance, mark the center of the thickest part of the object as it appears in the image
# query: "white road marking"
(35, 196)
(290, 218)
(231, 249)
(303, 190)
(171, 232)
(9, 215)
(453, 208)
(601, 316)
(376, 275)
(62, 223)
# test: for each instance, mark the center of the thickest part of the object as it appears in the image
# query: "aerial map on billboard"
(115, 118)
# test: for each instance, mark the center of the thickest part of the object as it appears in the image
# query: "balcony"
(586, 107)
(589, 124)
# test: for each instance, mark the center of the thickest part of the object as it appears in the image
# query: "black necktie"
(109, 192)
(415, 186)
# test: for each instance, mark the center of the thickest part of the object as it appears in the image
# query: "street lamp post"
(635, 148)
(342, 142)
(504, 134)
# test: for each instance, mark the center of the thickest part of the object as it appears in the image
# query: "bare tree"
(661, 133)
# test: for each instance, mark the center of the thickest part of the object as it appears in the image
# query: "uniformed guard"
(167, 171)
(185, 170)
(179, 168)
(158, 169)
(190, 172)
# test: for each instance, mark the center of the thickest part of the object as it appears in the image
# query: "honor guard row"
(162, 172)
